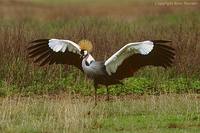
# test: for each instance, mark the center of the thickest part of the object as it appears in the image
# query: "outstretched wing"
(133, 56)
(55, 51)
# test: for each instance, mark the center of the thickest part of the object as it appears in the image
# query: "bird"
(119, 66)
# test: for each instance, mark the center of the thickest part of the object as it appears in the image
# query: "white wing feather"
(58, 45)
(115, 60)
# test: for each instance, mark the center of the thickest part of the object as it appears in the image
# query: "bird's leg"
(95, 98)
(107, 95)
(95, 94)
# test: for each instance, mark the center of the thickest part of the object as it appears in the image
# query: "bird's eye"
(82, 52)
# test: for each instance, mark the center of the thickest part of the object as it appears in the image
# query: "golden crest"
(85, 45)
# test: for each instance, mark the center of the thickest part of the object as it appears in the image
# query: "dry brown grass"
(19, 9)
(107, 35)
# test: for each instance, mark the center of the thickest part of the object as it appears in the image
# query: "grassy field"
(57, 98)
(65, 113)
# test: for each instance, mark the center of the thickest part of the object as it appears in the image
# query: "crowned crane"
(123, 64)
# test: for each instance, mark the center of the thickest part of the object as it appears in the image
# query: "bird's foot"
(89, 112)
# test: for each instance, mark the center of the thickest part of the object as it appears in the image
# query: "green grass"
(151, 123)
(154, 83)
(141, 114)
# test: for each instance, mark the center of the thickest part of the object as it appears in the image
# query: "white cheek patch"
(85, 53)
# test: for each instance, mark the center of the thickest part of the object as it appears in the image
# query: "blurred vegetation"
(18, 75)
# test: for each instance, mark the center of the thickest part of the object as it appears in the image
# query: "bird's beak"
(81, 55)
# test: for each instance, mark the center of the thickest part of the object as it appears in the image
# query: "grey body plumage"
(96, 70)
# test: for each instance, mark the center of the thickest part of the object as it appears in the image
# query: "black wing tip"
(39, 40)
(161, 41)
